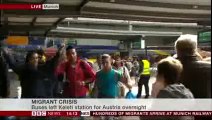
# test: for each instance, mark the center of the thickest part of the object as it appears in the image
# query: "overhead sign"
(23, 47)
(71, 42)
(204, 37)
(138, 44)
(37, 40)
(17, 40)
(121, 46)
(159, 52)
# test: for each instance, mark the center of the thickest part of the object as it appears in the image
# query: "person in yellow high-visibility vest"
(144, 77)
(41, 56)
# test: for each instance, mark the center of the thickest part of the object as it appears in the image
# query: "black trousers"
(144, 80)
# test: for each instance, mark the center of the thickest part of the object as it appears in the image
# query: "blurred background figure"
(129, 64)
(87, 61)
(41, 56)
(125, 76)
(98, 64)
(19, 92)
(135, 69)
(4, 81)
(206, 55)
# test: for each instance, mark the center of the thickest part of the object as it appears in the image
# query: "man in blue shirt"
(107, 79)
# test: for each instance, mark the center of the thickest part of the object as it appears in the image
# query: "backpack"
(82, 65)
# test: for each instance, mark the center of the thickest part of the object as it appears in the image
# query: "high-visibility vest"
(146, 67)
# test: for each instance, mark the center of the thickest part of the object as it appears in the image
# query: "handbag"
(130, 95)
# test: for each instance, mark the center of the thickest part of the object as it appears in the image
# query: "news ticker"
(104, 113)
(29, 6)
(105, 107)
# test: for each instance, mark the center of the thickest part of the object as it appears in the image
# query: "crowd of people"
(68, 76)
(184, 75)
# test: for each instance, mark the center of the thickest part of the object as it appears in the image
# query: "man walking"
(107, 79)
(79, 74)
(144, 77)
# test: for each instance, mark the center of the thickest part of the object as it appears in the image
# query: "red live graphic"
(21, 6)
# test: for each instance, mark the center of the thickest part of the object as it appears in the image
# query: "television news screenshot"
(105, 60)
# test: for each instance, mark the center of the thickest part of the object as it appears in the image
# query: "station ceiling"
(43, 22)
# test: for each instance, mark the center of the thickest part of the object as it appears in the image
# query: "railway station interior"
(119, 30)
(125, 28)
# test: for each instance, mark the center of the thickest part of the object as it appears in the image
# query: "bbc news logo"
(85, 113)
(38, 113)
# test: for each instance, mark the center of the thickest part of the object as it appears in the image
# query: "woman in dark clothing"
(36, 80)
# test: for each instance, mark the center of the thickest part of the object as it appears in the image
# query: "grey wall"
(97, 42)
(160, 40)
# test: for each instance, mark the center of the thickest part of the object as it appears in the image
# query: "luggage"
(130, 95)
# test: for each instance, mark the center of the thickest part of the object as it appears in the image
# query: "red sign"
(21, 6)
(151, 113)
(105, 113)
(17, 40)
(29, 6)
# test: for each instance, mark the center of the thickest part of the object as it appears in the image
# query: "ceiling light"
(195, 6)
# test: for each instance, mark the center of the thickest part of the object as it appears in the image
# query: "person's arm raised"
(11, 61)
(53, 63)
